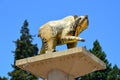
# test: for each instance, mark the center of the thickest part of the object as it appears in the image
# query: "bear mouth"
(84, 19)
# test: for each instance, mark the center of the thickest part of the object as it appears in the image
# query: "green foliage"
(3, 78)
(114, 74)
(109, 73)
(24, 46)
(24, 49)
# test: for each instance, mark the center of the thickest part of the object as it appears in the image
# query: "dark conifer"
(24, 49)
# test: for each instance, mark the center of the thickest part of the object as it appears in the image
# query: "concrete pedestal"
(62, 65)
(59, 75)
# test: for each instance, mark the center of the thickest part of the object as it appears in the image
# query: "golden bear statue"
(63, 31)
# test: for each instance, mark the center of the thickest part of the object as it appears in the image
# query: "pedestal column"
(59, 75)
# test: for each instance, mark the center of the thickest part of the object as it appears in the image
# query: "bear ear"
(75, 17)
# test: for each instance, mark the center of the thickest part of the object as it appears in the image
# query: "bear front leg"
(71, 45)
(71, 39)
(67, 38)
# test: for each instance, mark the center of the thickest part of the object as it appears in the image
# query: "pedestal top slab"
(75, 62)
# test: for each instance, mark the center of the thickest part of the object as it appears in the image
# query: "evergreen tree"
(3, 78)
(24, 49)
(114, 74)
(101, 74)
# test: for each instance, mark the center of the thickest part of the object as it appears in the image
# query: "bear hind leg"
(51, 44)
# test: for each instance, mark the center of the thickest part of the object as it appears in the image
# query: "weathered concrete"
(74, 62)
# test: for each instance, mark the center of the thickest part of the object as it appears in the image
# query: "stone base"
(74, 62)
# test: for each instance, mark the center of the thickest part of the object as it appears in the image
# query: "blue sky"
(104, 24)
